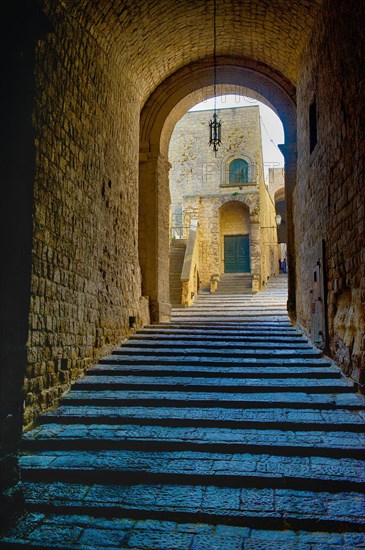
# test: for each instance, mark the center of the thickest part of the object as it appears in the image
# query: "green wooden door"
(236, 254)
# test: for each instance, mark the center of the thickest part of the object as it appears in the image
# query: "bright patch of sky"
(272, 132)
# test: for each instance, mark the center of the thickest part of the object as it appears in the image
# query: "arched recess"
(163, 109)
(234, 221)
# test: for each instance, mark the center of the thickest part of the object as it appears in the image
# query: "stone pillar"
(255, 251)
(289, 152)
(154, 204)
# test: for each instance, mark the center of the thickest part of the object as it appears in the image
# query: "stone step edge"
(215, 362)
(192, 354)
(121, 370)
(171, 445)
(260, 538)
(85, 386)
(71, 400)
(51, 418)
(110, 476)
(239, 519)
(210, 345)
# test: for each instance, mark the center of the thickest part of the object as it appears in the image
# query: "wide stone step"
(223, 440)
(236, 309)
(200, 360)
(256, 371)
(197, 334)
(243, 506)
(207, 344)
(225, 325)
(315, 473)
(295, 400)
(233, 290)
(223, 314)
(232, 331)
(221, 353)
(236, 385)
(110, 519)
(217, 338)
(283, 418)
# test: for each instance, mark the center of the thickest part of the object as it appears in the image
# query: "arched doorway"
(234, 237)
(162, 110)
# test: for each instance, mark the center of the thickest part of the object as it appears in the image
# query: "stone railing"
(214, 280)
(190, 270)
(179, 232)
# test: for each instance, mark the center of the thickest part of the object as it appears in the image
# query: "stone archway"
(160, 113)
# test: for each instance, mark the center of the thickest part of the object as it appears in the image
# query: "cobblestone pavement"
(224, 429)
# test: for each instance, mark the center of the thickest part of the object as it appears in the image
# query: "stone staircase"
(177, 254)
(234, 283)
(222, 430)
(271, 302)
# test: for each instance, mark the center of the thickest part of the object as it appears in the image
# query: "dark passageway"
(92, 92)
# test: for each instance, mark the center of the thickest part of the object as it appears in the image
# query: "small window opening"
(312, 126)
(238, 171)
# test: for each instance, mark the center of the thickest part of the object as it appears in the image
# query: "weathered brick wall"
(329, 199)
(85, 273)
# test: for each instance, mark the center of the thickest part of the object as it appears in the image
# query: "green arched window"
(238, 171)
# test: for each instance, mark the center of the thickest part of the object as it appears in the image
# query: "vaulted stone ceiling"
(151, 39)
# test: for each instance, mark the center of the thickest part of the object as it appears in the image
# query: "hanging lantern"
(215, 125)
(215, 131)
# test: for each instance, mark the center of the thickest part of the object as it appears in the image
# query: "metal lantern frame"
(215, 125)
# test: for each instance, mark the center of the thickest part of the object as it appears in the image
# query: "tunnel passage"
(100, 66)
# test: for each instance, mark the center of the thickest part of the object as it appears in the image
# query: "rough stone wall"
(199, 185)
(85, 273)
(195, 170)
(329, 199)
(268, 230)
(276, 180)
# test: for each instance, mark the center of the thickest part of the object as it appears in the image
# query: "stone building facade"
(226, 193)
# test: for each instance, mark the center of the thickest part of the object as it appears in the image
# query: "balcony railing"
(179, 232)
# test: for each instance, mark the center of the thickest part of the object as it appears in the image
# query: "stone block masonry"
(329, 197)
(203, 189)
(85, 274)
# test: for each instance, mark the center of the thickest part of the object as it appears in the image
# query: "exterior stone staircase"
(234, 283)
(177, 253)
(224, 429)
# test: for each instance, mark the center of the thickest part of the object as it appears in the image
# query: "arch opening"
(170, 101)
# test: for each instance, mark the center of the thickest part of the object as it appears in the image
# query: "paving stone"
(177, 383)
(157, 540)
(109, 437)
(207, 345)
(63, 535)
(103, 537)
(167, 465)
(195, 352)
(217, 542)
(199, 536)
(218, 362)
(335, 419)
(237, 503)
(188, 399)
(267, 371)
